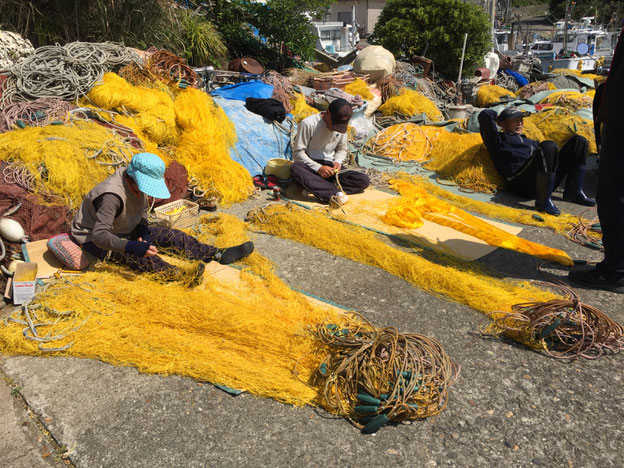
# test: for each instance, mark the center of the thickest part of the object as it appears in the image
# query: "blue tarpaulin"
(259, 139)
(241, 91)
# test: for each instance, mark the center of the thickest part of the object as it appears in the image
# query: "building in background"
(366, 13)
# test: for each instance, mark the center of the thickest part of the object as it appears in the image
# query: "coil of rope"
(172, 67)
(561, 328)
(377, 375)
(67, 72)
(40, 112)
(587, 234)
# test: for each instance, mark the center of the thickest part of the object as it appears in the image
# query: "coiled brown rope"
(561, 328)
(39, 113)
(378, 375)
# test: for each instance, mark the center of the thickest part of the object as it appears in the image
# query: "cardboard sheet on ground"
(367, 208)
(47, 263)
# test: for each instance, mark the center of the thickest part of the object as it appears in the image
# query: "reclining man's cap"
(341, 112)
(148, 171)
(511, 113)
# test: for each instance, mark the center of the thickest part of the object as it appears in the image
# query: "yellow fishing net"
(410, 103)
(151, 110)
(573, 100)
(464, 282)
(250, 335)
(560, 224)
(464, 159)
(568, 71)
(198, 132)
(405, 142)
(491, 94)
(559, 124)
(301, 109)
(64, 162)
(360, 87)
(415, 205)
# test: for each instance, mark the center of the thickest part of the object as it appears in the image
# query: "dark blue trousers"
(610, 197)
(174, 241)
(350, 181)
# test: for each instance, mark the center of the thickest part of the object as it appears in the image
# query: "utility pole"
(565, 26)
(492, 16)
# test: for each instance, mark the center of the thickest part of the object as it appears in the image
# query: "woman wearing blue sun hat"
(111, 223)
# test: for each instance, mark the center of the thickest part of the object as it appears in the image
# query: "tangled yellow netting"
(249, 336)
(573, 100)
(410, 103)
(301, 109)
(416, 205)
(568, 71)
(463, 158)
(559, 124)
(464, 282)
(491, 94)
(199, 131)
(359, 86)
(405, 142)
(65, 161)
(560, 224)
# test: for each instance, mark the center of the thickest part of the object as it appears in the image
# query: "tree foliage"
(136, 23)
(408, 27)
(275, 31)
(606, 12)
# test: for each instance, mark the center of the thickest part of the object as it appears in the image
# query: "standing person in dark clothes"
(609, 274)
(320, 149)
(111, 224)
(533, 169)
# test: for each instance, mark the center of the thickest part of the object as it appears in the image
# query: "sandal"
(272, 181)
(258, 181)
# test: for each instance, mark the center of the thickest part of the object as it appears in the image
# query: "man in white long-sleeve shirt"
(320, 149)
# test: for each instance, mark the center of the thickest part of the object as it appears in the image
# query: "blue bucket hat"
(148, 171)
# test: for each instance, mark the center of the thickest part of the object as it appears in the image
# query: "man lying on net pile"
(532, 169)
(320, 149)
(111, 224)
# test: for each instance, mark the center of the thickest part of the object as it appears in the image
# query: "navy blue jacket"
(510, 153)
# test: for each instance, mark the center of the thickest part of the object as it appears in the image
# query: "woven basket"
(280, 168)
(186, 218)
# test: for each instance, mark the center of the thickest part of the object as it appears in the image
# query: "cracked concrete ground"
(510, 406)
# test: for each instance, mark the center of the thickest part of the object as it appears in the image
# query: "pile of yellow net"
(405, 142)
(410, 103)
(573, 100)
(248, 336)
(301, 109)
(464, 159)
(491, 94)
(64, 162)
(68, 160)
(559, 124)
(360, 87)
(568, 71)
(416, 205)
(199, 131)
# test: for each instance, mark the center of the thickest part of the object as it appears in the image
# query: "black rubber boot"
(594, 278)
(574, 187)
(544, 185)
(233, 254)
